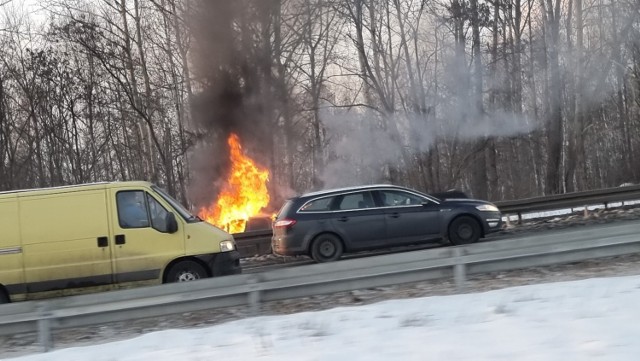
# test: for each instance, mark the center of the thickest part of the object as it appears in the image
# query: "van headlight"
(487, 208)
(226, 246)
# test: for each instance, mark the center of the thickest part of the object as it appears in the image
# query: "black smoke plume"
(228, 42)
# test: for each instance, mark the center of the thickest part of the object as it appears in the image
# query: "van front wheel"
(186, 271)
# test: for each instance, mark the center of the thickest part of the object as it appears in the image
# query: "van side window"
(158, 214)
(132, 209)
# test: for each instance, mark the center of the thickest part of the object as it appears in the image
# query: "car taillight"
(284, 223)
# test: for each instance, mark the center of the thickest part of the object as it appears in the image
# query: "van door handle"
(343, 219)
(394, 215)
(103, 242)
(120, 239)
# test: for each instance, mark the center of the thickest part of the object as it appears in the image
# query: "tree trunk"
(554, 129)
(480, 164)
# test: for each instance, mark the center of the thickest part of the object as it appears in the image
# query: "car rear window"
(317, 205)
(284, 209)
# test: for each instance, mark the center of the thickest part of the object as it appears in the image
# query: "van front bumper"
(223, 264)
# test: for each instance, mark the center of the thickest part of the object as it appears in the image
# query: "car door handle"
(343, 219)
(120, 239)
(394, 215)
(103, 241)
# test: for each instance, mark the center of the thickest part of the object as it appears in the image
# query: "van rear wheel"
(186, 271)
(3, 297)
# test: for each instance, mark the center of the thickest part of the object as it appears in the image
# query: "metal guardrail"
(252, 289)
(570, 200)
(259, 242)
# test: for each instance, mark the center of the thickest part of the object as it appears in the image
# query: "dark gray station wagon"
(326, 224)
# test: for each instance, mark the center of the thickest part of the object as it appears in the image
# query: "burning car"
(244, 194)
(326, 224)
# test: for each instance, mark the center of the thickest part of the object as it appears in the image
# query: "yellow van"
(93, 237)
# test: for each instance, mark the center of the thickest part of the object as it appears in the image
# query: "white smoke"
(362, 147)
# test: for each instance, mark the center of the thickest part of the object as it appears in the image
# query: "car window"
(158, 214)
(285, 209)
(359, 200)
(132, 209)
(392, 198)
(317, 205)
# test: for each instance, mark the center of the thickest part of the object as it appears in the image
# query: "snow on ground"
(595, 319)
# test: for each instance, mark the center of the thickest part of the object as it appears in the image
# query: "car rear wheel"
(464, 230)
(326, 248)
(186, 271)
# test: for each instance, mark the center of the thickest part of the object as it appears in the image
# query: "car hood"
(464, 201)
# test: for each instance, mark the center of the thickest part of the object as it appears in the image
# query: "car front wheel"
(464, 230)
(326, 248)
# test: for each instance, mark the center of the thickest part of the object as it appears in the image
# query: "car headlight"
(487, 208)
(226, 246)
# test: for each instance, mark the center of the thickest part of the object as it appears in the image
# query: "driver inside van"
(131, 210)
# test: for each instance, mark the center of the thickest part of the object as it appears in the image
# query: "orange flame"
(243, 196)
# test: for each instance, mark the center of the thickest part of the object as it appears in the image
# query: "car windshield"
(184, 213)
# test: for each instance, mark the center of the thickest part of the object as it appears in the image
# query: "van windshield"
(184, 213)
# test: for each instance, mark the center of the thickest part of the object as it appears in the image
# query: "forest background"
(502, 99)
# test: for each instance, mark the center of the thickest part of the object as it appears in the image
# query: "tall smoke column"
(232, 96)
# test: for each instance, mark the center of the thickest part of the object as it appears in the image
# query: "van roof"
(77, 187)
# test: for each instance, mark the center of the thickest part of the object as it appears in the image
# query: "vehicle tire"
(186, 271)
(326, 248)
(3, 297)
(464, 230)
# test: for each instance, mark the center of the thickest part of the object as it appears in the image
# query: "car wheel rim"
(465, 232)
(187, 276)
(327, 249)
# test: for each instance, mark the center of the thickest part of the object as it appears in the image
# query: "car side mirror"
(171, 223)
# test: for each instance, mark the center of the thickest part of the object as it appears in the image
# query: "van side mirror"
(171, 223)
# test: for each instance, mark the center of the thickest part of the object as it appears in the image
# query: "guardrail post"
(44, 327)
(254, 296)
(459, 270)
